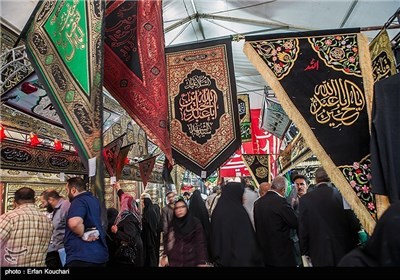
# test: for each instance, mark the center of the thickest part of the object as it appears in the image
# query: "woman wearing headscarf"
(112, 214)
(198, 209)
(383, 248)
(186, 244)
(150, 220)
(127, 228)
(233, 240)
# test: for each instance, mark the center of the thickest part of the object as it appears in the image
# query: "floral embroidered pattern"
(359, 177)
(279, 55)
(339, 52)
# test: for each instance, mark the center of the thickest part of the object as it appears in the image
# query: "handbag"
(126, 252)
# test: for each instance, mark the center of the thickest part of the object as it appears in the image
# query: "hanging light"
(33, 139)
(58, 145)
(2, 133)
(28, 88)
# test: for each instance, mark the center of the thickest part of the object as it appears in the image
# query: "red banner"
(134, 65)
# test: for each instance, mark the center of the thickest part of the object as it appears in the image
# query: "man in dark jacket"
(274, 217)
(326, 230)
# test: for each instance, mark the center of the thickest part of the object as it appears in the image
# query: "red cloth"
(263, 142)
(134, 65)
(234, 167)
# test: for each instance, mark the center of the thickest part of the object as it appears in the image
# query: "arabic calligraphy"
(200, 130)
(337, 102)
(84, 118)
(314, 65)
(381, 67)
(261, 172)
(197, 81)
(242, 109)
(199, 105)
(45, 108)
(15, 155)
(68, 25)
(58, 161)
(245, 131)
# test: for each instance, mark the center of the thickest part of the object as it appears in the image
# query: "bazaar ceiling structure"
(191, 21)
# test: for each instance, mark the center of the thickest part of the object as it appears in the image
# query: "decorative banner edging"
(323, 44)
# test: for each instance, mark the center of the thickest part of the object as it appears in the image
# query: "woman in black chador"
(127, 230)
(233, 240)
(150, 221)
(198, 209)
(383, 248)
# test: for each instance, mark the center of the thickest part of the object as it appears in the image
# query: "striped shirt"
(24, 236)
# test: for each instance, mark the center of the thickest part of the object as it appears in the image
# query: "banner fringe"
(332, 170)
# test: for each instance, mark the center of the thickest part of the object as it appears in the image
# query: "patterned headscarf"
(128, 206)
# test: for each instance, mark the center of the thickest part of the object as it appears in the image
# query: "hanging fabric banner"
(64, 44)
(382, 56)
(274, 118)
(234, 167)
(323, 80)
(134, 65)
(385, 148)
(264, 142)
(110, 154)
(146, 167)
(258, 165)
(245, 117)
(66, 53)
(203, 110)
(123, 153)
(294, 153)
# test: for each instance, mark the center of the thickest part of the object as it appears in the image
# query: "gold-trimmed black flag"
(203, 110)
(382, 56)
(259, 167)
(245, 117)
(323, 80)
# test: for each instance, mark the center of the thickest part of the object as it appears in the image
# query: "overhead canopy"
(189, 21)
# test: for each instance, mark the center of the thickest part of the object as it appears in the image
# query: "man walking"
(85, 238)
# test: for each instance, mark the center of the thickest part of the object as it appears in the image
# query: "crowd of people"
(236, 226)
